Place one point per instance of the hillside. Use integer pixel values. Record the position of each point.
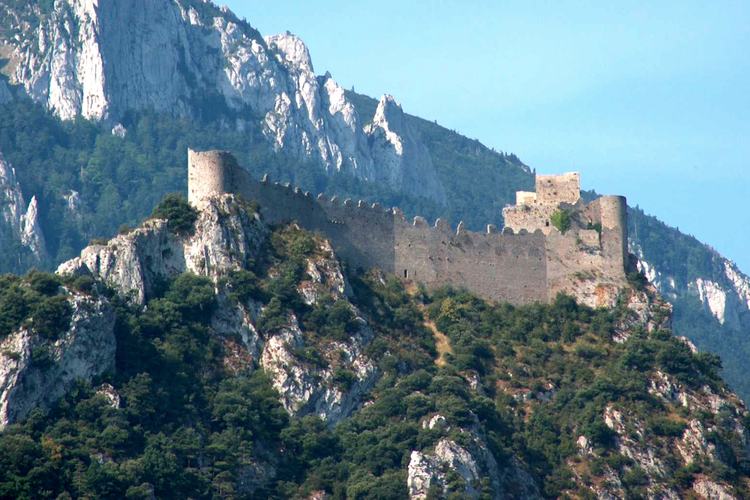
(260, 368)
(91, 136)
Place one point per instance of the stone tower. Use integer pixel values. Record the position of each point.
(209, 173)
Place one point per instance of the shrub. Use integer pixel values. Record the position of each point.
(180, 216)
(335, 322)
(663, 426)
(274, 316)
(599, 434)
(637, 280)
(245, 285)
(635, 477)
(561, 220)
(344, 379)
(194, 295)
(44, 283)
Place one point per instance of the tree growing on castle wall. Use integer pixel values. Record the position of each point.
(561, 219)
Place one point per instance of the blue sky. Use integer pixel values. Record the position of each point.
(646, 99)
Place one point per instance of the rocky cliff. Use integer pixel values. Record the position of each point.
(74, 58)
(102, 59)
(20, 230)
(226, 238)
(36, 371)
(709, 292)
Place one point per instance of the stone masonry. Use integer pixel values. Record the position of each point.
(529, 261)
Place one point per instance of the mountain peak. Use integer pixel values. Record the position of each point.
(292, 49)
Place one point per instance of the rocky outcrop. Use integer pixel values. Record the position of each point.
(35, 372)
(102, 59)
(711, 490)
(644, 309)
(711, 296)
(313, 388)
(472, 461)
(652, 454)
(224, 239)
(401, 159)
(725, 296)
(20, 222)
(227, 236)
(309, 388)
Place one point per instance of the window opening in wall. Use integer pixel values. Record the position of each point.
(406, 273)
(546, 223)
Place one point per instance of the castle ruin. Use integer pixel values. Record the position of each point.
(552, 241)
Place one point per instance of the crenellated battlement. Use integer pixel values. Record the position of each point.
(521, 263)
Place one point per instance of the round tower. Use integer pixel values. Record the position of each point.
(209, 173)
(614, 218)
(613, 211)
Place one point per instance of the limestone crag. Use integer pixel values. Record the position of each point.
(473, 463)
(724, 293)
(310, 390)
(102, 59)
(725, 296)
(649, 452)
(645, 309)
(84, 351)
(19, 226)
(403, 160)
(225, 237)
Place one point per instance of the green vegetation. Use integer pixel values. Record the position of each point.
(35, 302)
(191, 427)
(562, 345)
(177, 211)
(561, 220)
(119, 178)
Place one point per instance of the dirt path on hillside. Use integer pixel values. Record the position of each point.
(442, 342)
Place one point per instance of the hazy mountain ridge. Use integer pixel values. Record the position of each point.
(69, 57)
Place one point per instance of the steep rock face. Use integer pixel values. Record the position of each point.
(474, 463)
(309, 389)
(306, 387)
(101, 59)
(330, 126)
(724, 293)
(85, 350)
(20, 223)
(645, 309)
(401, 158)
(225, 237)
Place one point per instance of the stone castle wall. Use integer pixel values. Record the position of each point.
(519, 267)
